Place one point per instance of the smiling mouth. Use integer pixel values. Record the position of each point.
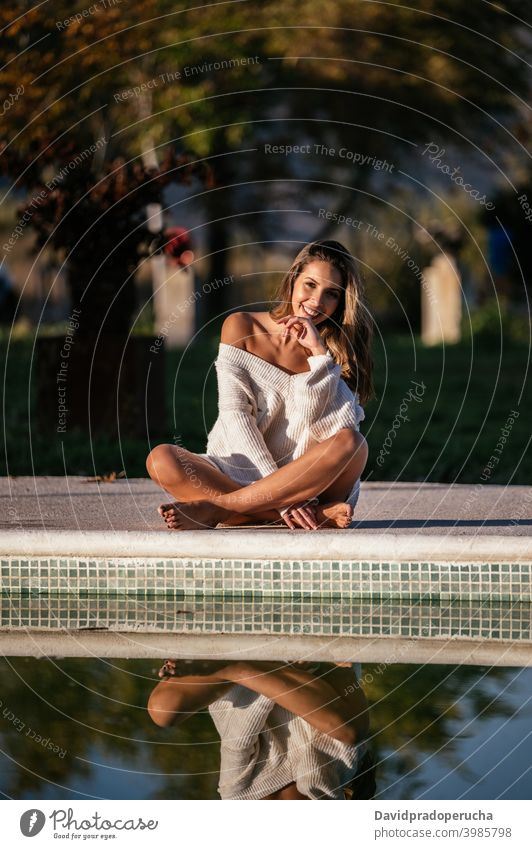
(310, 313)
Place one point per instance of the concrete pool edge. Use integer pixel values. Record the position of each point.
(391, 650)
(263, 544)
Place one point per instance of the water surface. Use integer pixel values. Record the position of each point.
(79, 728)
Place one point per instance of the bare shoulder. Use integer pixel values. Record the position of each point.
(236, 329)
(240, 328)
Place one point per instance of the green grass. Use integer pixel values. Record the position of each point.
(470, 391)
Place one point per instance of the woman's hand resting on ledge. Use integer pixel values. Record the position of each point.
(302, 516)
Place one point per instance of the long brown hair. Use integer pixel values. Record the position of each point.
(348, 333)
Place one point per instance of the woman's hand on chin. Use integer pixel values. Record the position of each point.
(305, 331)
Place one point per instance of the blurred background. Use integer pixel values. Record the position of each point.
(161, 165)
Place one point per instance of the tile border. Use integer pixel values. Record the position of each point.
(258, 579)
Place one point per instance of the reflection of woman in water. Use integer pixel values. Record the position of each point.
(290, 384)
(287, 732)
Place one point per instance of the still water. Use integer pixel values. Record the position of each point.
(75, 729)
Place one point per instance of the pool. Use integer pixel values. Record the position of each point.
(435, 602)
(80, 730)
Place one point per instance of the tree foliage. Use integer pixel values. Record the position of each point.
(221, 79)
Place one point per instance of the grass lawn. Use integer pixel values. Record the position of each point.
(465, 395)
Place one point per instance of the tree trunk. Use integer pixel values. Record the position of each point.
(112, 387)
(97, 377)
(219, 208)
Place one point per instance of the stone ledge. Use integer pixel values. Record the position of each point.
(384, 508)
(263, 647)
(225, 544)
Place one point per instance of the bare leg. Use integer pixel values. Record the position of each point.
(304, 478)
(189, 477)
(175, 699)
(330, 701)
(342, 486)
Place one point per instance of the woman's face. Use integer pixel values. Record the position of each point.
(317, 291)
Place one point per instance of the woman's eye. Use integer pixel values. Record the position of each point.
(331, 294)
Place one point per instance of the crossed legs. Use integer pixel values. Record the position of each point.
(329, 700)
(205, 496)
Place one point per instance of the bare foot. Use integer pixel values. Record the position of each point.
(192, 515)
(306, 665)
(170, 669)
(336, 514)
(199, 515)
(238, 519)
(180, 668)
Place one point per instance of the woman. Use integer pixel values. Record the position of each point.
(290, 382)
(287, 731)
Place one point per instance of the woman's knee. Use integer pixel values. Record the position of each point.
(159, 459)
(159, 710)
(350, 443)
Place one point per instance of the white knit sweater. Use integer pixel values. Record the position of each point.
(267, 418)
(265, 747)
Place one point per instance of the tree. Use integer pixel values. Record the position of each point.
(222, 79)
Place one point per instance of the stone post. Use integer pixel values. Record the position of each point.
(175, 307)
(441, 301)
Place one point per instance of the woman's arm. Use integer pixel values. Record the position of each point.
(324, 401)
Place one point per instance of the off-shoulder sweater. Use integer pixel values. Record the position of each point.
(267, 417)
